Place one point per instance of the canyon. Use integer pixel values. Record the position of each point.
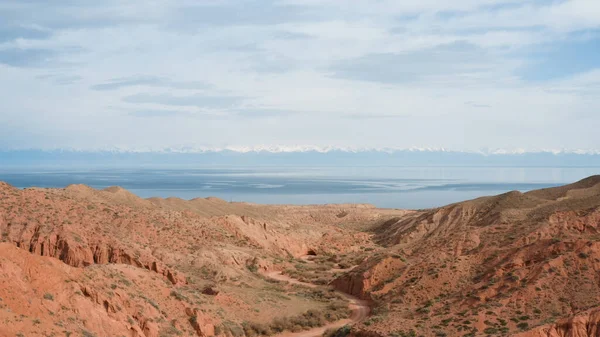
(77, 261)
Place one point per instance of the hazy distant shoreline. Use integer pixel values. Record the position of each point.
(385, 186)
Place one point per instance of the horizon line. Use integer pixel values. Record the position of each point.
(280, 149)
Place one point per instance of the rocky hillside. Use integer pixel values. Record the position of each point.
(106, 263)
(517, 262)
(84, 262)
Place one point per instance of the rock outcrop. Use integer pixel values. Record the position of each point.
(583, 325)
(202, 324)
(362, 282)
(78, 251)
(493, 265)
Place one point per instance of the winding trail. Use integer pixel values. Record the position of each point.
(360, 309)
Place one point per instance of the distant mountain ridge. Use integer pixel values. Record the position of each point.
(295, 157)
(308, 148)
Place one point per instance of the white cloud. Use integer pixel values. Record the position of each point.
(363, 73)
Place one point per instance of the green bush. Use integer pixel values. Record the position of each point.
(256, 329)
(490, 331)
(178, 295)
(341, 332)
(233, 328)
(86, 333)
(334, 311)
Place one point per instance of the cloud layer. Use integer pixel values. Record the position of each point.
(464, 74)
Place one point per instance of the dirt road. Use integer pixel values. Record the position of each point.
(360, 309)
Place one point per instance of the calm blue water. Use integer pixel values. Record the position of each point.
(392, 187)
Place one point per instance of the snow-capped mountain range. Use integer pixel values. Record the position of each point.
(309, 148)
(239, 156)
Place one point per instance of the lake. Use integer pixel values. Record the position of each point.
(390, 187)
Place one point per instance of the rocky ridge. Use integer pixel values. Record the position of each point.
(491, 266)
(107, 263)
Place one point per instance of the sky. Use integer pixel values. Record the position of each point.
(156, 74)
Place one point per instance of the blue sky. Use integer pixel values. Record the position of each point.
(463, 74)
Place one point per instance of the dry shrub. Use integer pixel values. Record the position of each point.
(334, 311)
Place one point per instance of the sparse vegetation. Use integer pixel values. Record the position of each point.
(170, 331)
(313, 318)
(86, 333)
(178, 295)
(490, 331)
(341, 332)
(429, 288)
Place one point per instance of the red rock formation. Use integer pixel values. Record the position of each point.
(362, 281)
(498, 264)
(77, 252)
(583, 325)
(116, 265)
(202, 324)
